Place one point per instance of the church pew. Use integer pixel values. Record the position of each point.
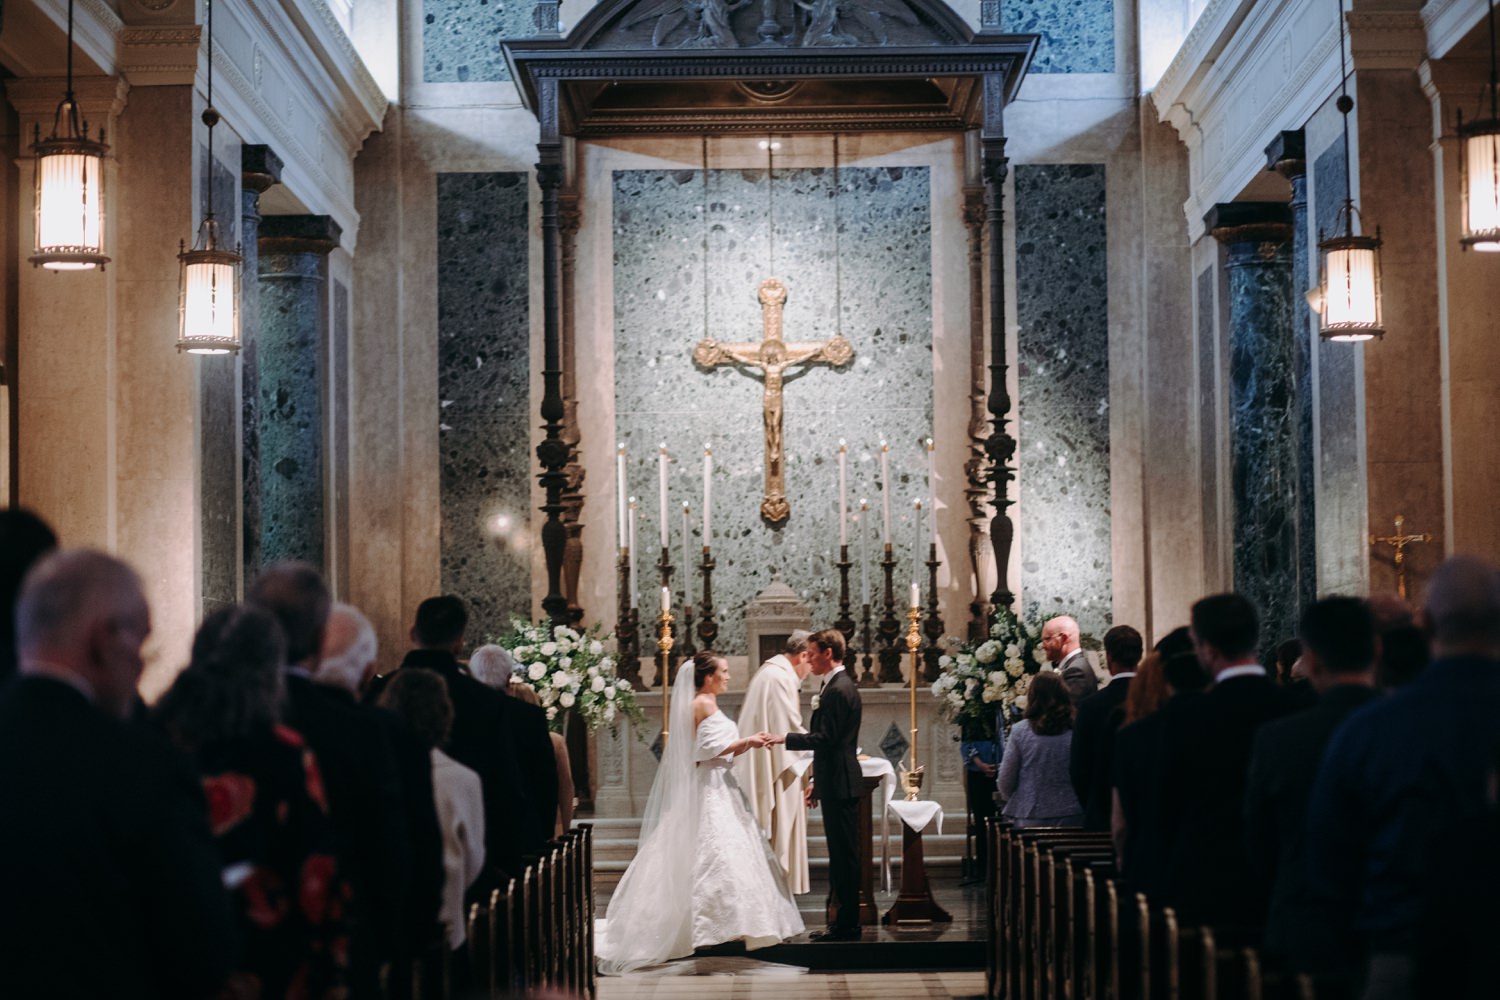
(1035, 909)
(586, 895)
(1078, 930)
(431, 973)
(504, 924)
(478, 930)
(1056, 927)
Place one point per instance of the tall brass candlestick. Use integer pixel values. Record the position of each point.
(664, 647)
(913, 647)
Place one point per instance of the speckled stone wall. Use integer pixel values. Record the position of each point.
(218, 424)
(338, 443)
(291, 406)
(1341, 489)
(486, 415)
(864, 255)
(1263, 433)
(1208, 432)
(1078, 36)
(461, 38)
(250, 385)
(1062, 307)
(1303, 334)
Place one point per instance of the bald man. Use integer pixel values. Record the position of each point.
(1060, 642)
(111, 879)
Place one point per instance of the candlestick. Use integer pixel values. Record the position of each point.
(708, 481)
(933, 626)
(620, 523)
(844, 623)
(664, 658)
(890, 625)
(916, 541)
(687, 590)
(843, 495)
(867, 678)
(666, 598)
(661, 473)
(932, 487)
(864, 552)
(631, 536)
(885, 491)
(708, 628)
(626, 631)
(913, 640)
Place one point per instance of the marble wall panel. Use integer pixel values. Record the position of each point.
(861, 250)
(1304, 333)
(218, 419)
(249, 415)
(338, 437)
(1078, 36)
(461, 38)
(1208, 434)
(1340, 506)
(485, 408)
(1062, 300)
(1263, 434)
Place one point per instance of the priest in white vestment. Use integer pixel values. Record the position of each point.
(770, 778)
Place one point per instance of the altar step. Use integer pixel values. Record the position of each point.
(616, 842)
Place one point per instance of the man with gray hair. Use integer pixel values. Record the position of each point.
(494, 665)
(1407, 773)
(112, 882)
(772, 781)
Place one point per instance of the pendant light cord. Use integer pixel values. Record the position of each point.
(1345, 105)
(70, 54)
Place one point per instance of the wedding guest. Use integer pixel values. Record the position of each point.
(564, 767)
(420, 698)
(111, 881)
(1060, 641)
(532, 741)
(1406, 775)
(24, 539)
(1033, 777)
(1094, 730)
(1404, 654)
(266, 808)
(1338, 650)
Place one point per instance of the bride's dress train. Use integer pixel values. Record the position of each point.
(703, 873)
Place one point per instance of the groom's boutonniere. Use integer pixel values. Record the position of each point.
(816, 699)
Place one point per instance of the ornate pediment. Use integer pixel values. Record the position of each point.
(738, 24)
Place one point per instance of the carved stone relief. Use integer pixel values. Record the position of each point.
(732, 24)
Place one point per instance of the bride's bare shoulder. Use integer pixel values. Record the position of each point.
(704, 705)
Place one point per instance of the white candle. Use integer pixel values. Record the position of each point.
(708, 482)
(620, 525)
(666, 600)
(885, 491)
(864, 551)
(932, 488)
(916, 596)
(661, 474)
(631, 535)
(687, 591)
(843, 494)
(916, 547)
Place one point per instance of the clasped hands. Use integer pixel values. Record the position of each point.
(764, 740)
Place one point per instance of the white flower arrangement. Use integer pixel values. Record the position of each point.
(569, 670)
(978, 680)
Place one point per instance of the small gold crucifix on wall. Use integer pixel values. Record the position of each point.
(772, 356)
(1400, 541)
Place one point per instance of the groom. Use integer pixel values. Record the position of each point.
(837, 781)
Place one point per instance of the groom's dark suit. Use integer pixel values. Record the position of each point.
(832, 736)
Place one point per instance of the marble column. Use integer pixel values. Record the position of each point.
(291, 376)
(1263, 410)
(1287, 156)
(260, 168)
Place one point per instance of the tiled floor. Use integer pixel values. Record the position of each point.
(785, 983)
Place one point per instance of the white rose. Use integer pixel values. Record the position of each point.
(1015, 667)
(623, 685)
(606, 664)
(987, 651)
(597, 684)
(996, 677)
(990, 694)
(549, 696)
(565, 662)
(596, 648)
(1012, 651)
(955, 699)
(566, 700)
(1039, 654)
(549, 648)
(536, 671)
(551, 713)
(937, 688)
(945, 661)
(609, 713)
(593, 671)
(609, 693)
(521, 653)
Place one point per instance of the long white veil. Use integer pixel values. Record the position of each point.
(650, 915)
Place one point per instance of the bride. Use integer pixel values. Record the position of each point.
(703, 873)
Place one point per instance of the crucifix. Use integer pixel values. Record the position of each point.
(772, 356)
(1401, 541)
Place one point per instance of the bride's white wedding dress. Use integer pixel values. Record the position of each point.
(703, 873)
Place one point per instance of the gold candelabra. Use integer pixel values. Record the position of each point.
(664, 657)
(913, 777)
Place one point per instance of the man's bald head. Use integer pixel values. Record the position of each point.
(349, 649)
(83, 615)
(296, 596)
(1059, 638)
(1463, 607)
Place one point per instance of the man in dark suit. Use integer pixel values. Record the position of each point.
(501, 739)
(359, 772)
(833, 737)
(345, 666)
(1205, 761)
(1060, 638)
(110, 883)
(1338, 651)
(1094, 728)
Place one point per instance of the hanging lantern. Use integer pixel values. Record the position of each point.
(208, 290)
(1349, 309)
(208, 295)
(1479, 172)
(69, 202)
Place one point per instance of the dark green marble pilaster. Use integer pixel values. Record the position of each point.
(260, 169)
(292, 374)
(218, 421)
(1262, 409)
